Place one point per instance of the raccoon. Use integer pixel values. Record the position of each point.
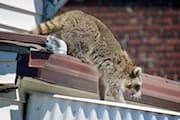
(90, 40)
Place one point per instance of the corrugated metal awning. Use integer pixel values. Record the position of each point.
(58, 107)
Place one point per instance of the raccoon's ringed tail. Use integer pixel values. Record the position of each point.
(56, 45)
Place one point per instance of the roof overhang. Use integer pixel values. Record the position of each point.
(67, 71)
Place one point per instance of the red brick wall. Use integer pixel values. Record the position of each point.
(151, 35)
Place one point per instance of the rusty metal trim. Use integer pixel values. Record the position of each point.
(22, 37)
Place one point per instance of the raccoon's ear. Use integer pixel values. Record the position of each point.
(136, 72)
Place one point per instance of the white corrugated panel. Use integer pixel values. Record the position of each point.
(10, 110)
(8, 66)
(58, 107)
(11, 106)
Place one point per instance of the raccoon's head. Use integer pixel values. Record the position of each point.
(134, 83)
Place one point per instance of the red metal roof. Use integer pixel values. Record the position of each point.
(71, 72)
(161, 92)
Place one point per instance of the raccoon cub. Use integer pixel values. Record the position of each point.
(91, 41)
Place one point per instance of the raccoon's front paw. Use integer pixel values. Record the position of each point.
(122, 101)
(120, 97)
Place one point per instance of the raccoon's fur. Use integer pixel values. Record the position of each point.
(91, 41)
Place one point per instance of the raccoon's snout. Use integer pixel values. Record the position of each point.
(134, 90)
(137, 87)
